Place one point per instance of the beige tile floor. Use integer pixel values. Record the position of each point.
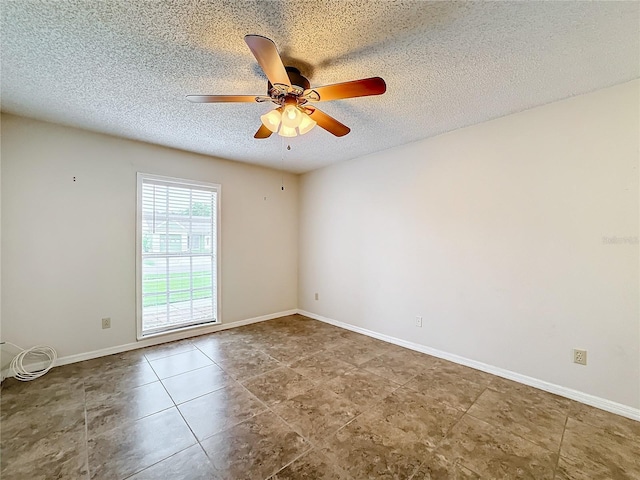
(294, 398)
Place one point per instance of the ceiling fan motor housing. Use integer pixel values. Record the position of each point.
(296, 78)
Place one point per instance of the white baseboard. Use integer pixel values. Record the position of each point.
(586, 398)
(79, 357)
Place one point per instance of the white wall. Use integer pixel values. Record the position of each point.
(494, 234)
(68, 249)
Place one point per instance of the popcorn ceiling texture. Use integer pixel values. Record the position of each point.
(124, 67)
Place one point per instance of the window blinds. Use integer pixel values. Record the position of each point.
(178, 254)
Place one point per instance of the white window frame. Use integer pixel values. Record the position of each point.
(187, 183)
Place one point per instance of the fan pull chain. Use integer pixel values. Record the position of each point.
(282, 163)
(282, 170)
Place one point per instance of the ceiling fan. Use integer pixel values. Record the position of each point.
(292, 92)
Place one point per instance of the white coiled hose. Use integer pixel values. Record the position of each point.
(39, 355)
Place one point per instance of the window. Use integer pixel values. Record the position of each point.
(177, 254)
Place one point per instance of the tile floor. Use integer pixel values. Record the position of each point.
(294, 398)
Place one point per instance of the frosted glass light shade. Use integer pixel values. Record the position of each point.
(271, 120)
(287, 131)
(288, 121)
(291, 116)
(306, 124)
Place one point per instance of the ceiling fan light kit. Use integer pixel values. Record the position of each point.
(292, 92)
(288, 121)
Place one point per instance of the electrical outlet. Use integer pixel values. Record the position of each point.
(316, 296)
(106, 323)
(580, 356)
(418, 321)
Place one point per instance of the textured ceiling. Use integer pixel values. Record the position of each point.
(124, 67)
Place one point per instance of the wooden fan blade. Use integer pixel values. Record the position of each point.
(327, 122)
(263, 132)
(356, 88)
(221, 98)
(269, 59)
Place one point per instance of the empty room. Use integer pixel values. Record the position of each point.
(339, 240)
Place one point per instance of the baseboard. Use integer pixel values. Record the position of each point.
(79, 357)
(586, 398)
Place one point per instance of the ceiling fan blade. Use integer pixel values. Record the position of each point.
(327, 122)
(221, 98)
(269, 59)
(356, 88)
(263, 132)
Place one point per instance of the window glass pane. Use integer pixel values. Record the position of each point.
(178, 249)
(154, 276)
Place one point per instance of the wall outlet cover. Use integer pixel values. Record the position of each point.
(580, 356)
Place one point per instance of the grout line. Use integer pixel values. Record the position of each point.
(502, 428)
(183, 373)
(413, 474)
(179, 413)
(369, 406)
(555, 470)
(122, 393)
(208, 356)
(266, 407)
(312, 444)
(199, 396)
(129, 420)
(453, 425)
(475, 400)
(280, 364)
(248, 379)
(86, 429)
(172, 354)
(292, 461)
(175, 405)
(215, 469)
(160, 461)
(230, 427)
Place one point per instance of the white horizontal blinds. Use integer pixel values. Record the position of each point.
(179, 281)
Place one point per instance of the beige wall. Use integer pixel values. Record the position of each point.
(68, 249)
(494, 234)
